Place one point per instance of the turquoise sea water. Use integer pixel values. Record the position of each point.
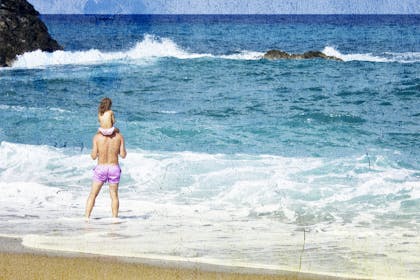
(224, 147)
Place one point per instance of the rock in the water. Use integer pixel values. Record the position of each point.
(21, 31)
(277, 54)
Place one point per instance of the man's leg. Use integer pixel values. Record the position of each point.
(96, 187)
(115, 203)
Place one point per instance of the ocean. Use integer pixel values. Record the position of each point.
(305, 165)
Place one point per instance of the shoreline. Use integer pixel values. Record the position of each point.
(20, 262)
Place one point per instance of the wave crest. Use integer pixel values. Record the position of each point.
(155, 47)
(149, 47)
(407, 57)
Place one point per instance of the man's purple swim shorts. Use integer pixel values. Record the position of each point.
(107, 173)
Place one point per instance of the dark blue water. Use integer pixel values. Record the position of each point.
(222, 34)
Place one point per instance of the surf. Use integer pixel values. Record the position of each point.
(154, 47)
(182, 201)
(150, 47)
(386, 57)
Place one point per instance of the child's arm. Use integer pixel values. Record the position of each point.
(112, 118)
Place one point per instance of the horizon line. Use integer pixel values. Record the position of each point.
(259, 14)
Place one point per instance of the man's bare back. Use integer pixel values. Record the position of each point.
(107, 148)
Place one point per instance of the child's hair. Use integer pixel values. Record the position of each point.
(105, 105)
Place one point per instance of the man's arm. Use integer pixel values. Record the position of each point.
(94, 153)
(123, 152)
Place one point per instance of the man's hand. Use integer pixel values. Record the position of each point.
(94, 153)
(123, 152)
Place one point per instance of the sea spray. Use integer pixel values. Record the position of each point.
(150, 47)
(412, 57)
(155, 47)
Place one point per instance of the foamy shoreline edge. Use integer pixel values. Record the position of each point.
(12, 250)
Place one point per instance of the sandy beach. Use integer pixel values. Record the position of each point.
(18, 262)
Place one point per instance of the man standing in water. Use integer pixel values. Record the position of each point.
(106, 148)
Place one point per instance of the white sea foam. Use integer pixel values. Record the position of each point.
(18, 108)
(152, 47)
(407, 57)
(168, 112)
(244, 55)
(84, 245)
(194, 206)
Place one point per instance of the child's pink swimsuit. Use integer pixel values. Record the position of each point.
(106, 131)
(107, 173)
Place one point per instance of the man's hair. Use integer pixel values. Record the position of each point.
(105, 105)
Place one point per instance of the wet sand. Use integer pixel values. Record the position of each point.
(19, 262)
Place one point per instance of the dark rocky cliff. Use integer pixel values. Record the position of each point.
(21, 31)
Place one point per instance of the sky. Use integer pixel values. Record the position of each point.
(227, 6)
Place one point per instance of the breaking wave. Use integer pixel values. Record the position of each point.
(407, 57)
(152, 47)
